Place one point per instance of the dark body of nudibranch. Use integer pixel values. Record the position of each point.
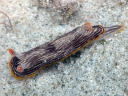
(26, 63)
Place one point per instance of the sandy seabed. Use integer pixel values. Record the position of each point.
(100, 70)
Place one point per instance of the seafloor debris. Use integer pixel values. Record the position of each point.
(65, 8)
(5, 20)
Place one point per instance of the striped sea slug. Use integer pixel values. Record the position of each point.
(25, 64)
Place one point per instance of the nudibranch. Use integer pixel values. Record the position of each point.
(27, 63)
